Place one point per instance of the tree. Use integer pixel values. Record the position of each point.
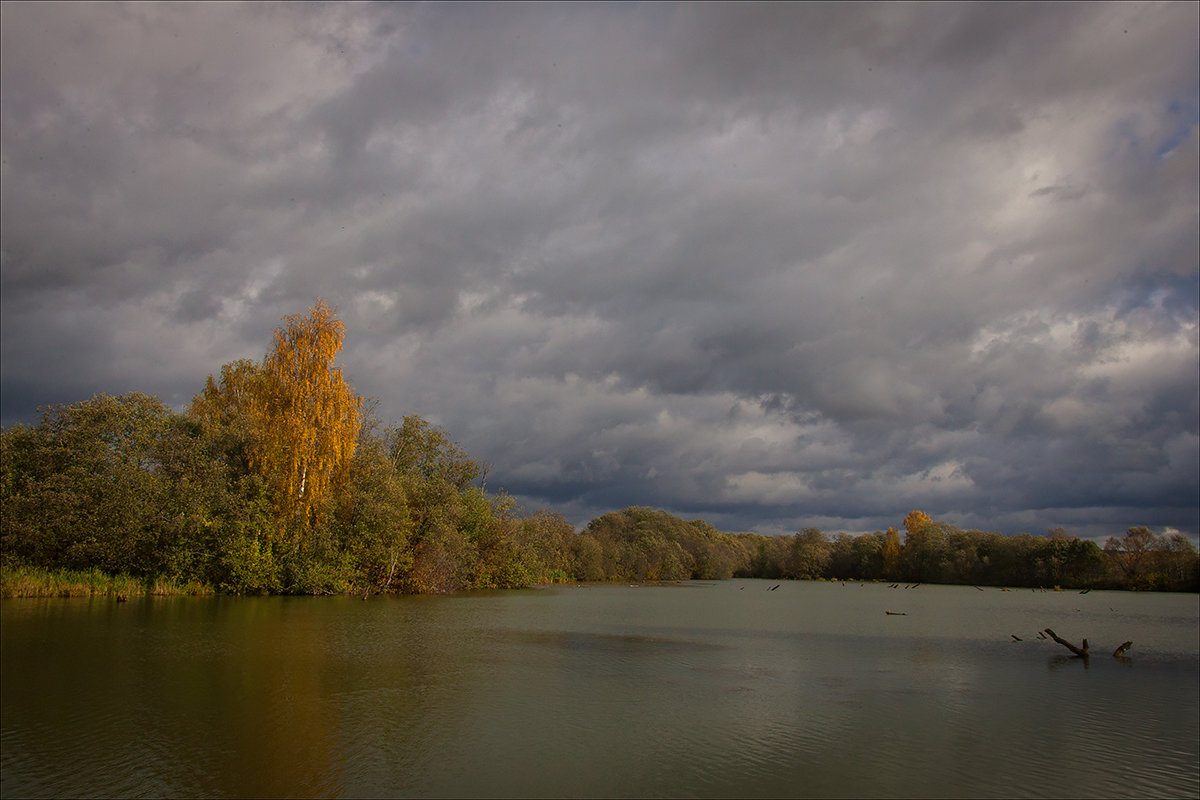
(810, 555)
(924, 555)
(891, 554)
(119, 483)
(868, 555)
(311, 414)
(370, 515)
(843, 563)
(229, 410)
(294, 420)
(1149, 561)
(1182, 564)
(916, 521)
(437, 471)
(427, 452)
(1132, 552)
(552, 537)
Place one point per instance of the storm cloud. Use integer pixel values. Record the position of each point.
(775, 266)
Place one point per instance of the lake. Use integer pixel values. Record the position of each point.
(726, 689)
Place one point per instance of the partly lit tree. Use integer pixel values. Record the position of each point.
(1132, 551)
(916, 521)
(310, 414)
(294, 419)
(891, 554)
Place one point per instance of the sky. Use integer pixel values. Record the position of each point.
(772, 266)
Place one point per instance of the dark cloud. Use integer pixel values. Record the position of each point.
(776, 265)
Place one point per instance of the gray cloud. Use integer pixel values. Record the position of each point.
(774, 265)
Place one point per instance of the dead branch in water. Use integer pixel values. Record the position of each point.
(1081, 652)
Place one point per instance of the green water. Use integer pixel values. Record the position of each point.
(699, 690)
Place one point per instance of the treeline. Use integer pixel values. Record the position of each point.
(642, 544)
(125, 485)
(279, 479)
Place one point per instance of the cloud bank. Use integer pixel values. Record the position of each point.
(775, 266)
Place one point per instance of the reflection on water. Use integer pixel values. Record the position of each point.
(699, 690)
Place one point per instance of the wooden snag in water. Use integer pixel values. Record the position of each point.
(1081, 652)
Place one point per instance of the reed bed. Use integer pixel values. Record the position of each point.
(21, 581)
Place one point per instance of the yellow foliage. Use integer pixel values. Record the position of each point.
(916, 521)
(311, 414)
(297, 413)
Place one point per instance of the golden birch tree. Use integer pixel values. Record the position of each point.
(294, 417)
(310, 415)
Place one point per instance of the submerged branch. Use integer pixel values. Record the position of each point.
(1081, 652)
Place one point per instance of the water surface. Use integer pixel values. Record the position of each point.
(698, 690)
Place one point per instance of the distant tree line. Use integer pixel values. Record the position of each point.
(644, 544)
(279, 479)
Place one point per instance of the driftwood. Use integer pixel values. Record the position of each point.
(1082, 652)
(1018, 638)
(896, 613)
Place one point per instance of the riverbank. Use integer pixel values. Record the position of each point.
(37, 582)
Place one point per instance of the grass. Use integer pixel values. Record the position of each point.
(20, 581)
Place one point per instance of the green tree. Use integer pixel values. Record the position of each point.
(891, 551)
(868, 555)
(588, 558)
(1132, 554)
(552, 538)
(842, 563)
(449, 516)
(810, 555)
(1182, 564)
(119, 483)
(371, 518)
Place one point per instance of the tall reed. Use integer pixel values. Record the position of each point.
(23, 581)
